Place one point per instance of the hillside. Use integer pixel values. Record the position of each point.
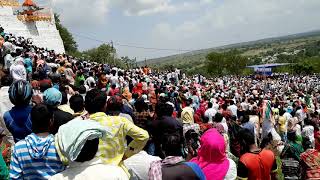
(192, 61)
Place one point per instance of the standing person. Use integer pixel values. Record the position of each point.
(212, 157)
(173, 165)
(35, 157)
(5, 103)
(233, 108)
(114, 150)
(290, 157)
(28, 64)
(53, 98)
(18, 119)
(311, 163)
(210, 113)
(78, 141)
(164, 126)
(255, 163)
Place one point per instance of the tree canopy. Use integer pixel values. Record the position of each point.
(225, 63)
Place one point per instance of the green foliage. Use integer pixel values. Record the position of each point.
(225, 63)
(102, 54)
(69, 43)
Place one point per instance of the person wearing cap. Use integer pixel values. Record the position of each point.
(53, 98)
(17, 69)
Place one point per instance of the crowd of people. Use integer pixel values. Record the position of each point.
(63, 118)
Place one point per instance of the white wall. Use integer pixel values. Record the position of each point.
(43, 33)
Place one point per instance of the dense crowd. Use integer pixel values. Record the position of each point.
(63, 118)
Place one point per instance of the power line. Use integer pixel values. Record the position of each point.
(132, 46)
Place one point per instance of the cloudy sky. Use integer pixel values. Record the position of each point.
(183, 24)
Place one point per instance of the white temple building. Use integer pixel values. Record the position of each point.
(44, 33)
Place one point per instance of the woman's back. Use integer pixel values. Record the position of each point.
(257, 165)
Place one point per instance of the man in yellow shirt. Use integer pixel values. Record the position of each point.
(114, 148)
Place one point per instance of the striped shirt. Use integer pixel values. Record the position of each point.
(35, 158)
(112, 148)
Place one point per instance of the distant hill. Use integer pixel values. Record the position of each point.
(195, 59)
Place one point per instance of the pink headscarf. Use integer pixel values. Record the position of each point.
(212, 156)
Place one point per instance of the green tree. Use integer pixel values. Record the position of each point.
(102, 54)
(69, 43)
(225, 63)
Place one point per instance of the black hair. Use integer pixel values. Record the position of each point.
(210, 105)
(188, 102)
(89, 101)
(218, 118)
(82, 89)
(88, 151)
(246, 138)
(245, 119)
(76, 103)
(265, 141)
(292, 136)
(100, 102)
(6, 80)
(64, 98)
(164, 109)
(172, 145)
(41, 118)
(140, 105)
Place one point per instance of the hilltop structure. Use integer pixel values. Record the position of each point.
(31, 21)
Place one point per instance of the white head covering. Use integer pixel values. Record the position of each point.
(18, 72)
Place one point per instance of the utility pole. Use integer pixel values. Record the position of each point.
(112, 49)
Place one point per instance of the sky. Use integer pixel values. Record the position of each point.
(181, 25)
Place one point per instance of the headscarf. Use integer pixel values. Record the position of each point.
(187, 116)
(292, 122)
(126, 94)
(73, 135)
(52, 97)
(212, 157)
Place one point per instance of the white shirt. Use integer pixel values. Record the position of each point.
(90, 80)
(5, 105)
(233, 109)
(8, 61)
(18, 72)
(139, 164)
(210, 113)
(232, 171)
(91, 170)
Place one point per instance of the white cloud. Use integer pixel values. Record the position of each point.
(233, 21)
(150, 7)
(75, 13)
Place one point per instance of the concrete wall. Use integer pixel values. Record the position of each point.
(43, 33)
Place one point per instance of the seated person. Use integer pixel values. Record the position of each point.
(78, 142)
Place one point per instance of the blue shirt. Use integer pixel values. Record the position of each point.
(28, 64)
(35, 158)
(18, 122)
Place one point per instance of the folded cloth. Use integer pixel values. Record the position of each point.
(72, 136)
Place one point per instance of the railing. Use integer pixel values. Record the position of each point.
(41, 15)
(38, 17)
(12, 3)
